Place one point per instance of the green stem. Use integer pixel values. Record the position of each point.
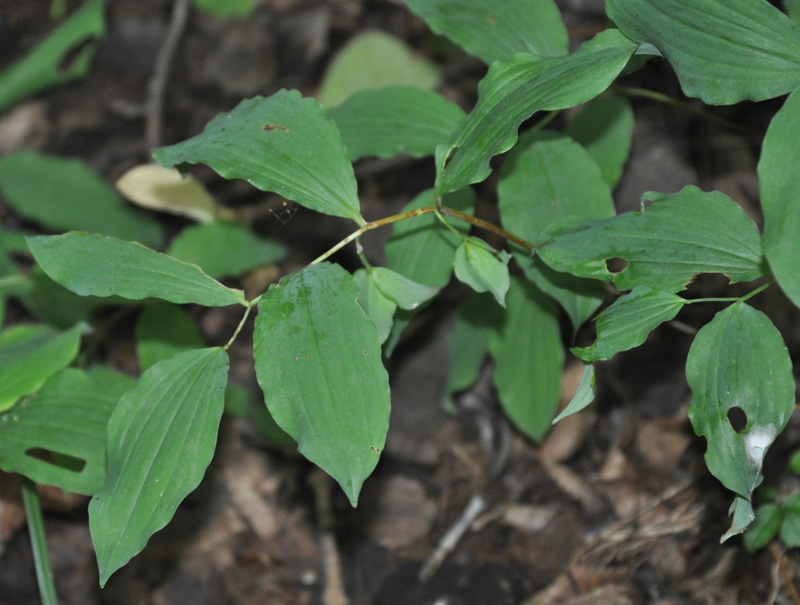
(747, 296)
(250, 305)
(33, 511)
(488, 227)
(667, 100)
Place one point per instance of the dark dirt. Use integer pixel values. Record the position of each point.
(614, 507)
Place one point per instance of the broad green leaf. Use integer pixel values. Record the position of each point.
(58, 437)
(374, 59)
(605, 128)
(93, 265)
(227, 8)
(626, 323)
(584, 395)
(468, 342)
(723, 51)
(161, 438)
(394, 120)
(498, 30)
(482, 268)
(792, 8)
(65, 194)
(378, 307)
(764, 528)
(790, 528)
(284, 143)
(678, 236)
(29, 355)
(318, 362)
(529, 356)
(224, 250)
(63, 56)
(546, 177)
(166, 190)
(780, 198)
(162, 331)
(421, 248)
(514, 90)
(406, 293)
(738, 360)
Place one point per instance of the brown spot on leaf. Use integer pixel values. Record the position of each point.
(274, 127)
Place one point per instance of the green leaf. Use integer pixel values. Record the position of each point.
(65, 194)
(792, 8)
(626, 323)
(545, 178)
(780, 197)
(226, 8)
(52, 62)
(584, 395)
(605, 128)
(394, 120)
(678, 236)
(284, 143)
(163, 331)
(764, 528)
(529, 356)
(406, 293)
(224, 250)
(468, 343)
(93, 265)
(790, 528)
(723, 51)
(482, 268)
(421, 248)
(378, 307)
(794, 462)
(161, 438)
(58, 437)
(371, 60)
(512, 91)
(498, 30)
(29, 355)
(318, 361)
(738, 360)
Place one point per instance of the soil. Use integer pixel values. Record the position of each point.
(615, 506)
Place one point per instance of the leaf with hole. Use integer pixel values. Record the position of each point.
(394, 120)
(284, 143)
(738, 361)
(318, 362)
(57, 437)
(93, 265)
(64, 56)
(161, 438)
(678, 236)
(627, 322)
(513, 91)
(498, 30)
(723, 51)
(29, 355)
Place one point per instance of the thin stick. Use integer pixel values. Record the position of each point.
(158, 83)
(33, 511)
(334, 593)
(787, 579)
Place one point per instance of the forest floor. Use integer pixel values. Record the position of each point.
(615, 506)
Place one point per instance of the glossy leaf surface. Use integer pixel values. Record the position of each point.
(676, 237)
(318, 361)
(161, 438)
(738, 360)
(394, 120)
(780, 196)
(723, 51)
(498, 30)
(284, 143)
(514, 90)
(93, 265)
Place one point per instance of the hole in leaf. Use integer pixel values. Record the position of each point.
(616, 265)
(74, 52)
(737, 418)
(64, 461)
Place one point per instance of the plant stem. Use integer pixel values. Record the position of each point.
(747, 296)
(33, 511)
(241, 323)
(488, 227)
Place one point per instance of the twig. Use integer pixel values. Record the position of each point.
(33, 511)
(787, 579)
(158, 83)
(334, 593)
